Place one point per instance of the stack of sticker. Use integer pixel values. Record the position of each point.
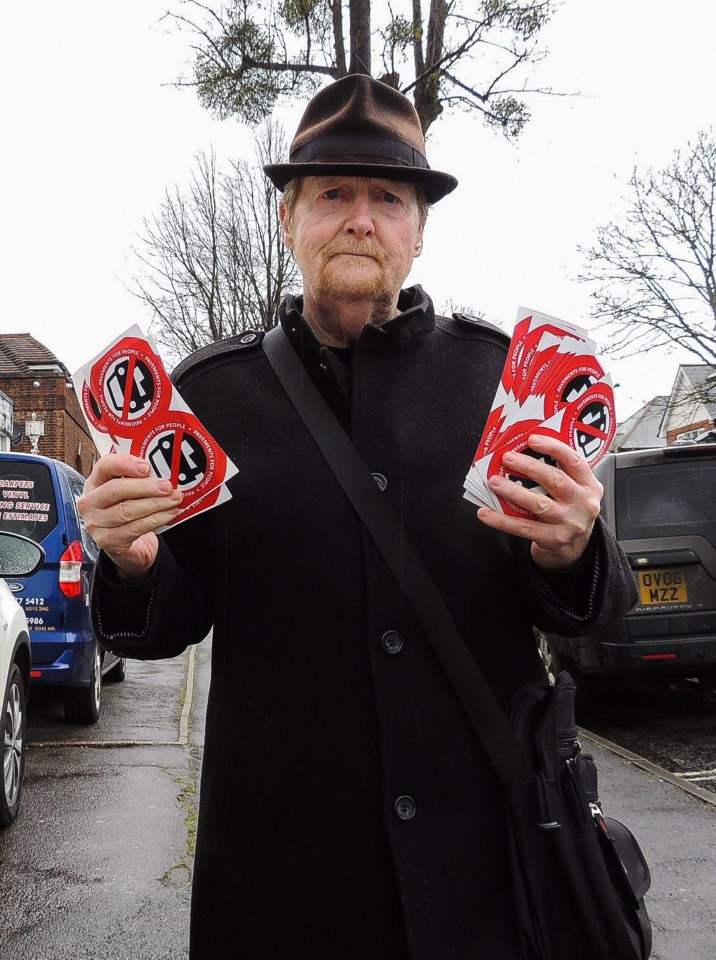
(131, 406)
(552, 384)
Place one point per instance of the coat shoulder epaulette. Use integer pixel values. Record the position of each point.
(467, 325)
(243, 343)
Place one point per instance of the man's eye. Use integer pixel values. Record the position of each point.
(332, 194)
(391, 198)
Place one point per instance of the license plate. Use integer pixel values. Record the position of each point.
(657, 587)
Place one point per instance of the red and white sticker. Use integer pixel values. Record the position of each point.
(551, 384)
(131, 386)
(132, 406)
(589, 423)
(571, 381)
(91, 410)
(181, 451)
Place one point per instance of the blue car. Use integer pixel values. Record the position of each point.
(38, 499)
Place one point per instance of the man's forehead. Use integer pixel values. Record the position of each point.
(324, 182)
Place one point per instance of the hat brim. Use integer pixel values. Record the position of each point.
(435, 184)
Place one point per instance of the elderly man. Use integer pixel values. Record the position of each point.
(347, 809)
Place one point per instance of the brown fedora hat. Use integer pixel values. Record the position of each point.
(361, 127)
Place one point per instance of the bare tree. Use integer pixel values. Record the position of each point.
(653, 272)
(458, 53)
(212, 261)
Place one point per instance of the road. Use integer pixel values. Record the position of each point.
(98, 864)
(674, 728)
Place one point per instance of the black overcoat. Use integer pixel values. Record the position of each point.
(347, 810)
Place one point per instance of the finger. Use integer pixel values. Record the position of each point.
(560, 483)
(116, 540)
(121, 538)
(116, 465)
(551, 480)
(553, 545)
(128, 512)
(114, 491)
(535, 501)
(525, 527)
(571, 461)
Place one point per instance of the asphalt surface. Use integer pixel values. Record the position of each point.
(674, 727)
(98, 865)
(676, 830)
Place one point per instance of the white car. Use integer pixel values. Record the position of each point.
(19, 557)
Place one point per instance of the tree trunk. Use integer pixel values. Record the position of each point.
(339, 45)
(418, 55)
(427, 88)
(360, 36)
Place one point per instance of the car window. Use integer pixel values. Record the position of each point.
(667, 500)
(27, 499)
(77, 486)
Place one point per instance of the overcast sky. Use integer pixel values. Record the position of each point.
(93, 133)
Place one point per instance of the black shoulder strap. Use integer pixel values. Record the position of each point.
(473, 691)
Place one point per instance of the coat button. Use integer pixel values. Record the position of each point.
(381, 480)
(405, 808)
(391, 641)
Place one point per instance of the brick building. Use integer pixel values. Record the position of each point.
(37, 382)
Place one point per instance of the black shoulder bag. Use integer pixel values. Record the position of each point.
(578, 877)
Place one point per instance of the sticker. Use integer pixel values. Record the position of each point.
(496, 467)
(130, 386)
(91, 409)
(571, 383)
(589, 424)
(551, 384)
(180, 450)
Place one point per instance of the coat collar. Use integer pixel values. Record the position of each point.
(415, 320)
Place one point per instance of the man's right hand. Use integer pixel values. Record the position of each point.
(121, 506)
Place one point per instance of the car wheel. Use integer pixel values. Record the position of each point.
(588, 685)
(83, 704)
(554, 662)
(13, 728)
(118, 672)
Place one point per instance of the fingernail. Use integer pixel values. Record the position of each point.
(143, 467)
(536, 439)
(177, 496)
(510, 456)
(164, 486)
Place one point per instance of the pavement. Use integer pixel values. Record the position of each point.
(97, 867)
(675, 824)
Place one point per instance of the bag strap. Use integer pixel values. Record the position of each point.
(482, 707)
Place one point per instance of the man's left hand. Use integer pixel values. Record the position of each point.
(563, 515)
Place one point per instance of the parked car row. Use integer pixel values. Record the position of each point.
(661, 506)
(46, 558)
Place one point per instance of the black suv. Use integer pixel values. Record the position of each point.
(661, 506)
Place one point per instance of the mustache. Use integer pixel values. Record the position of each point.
(360, 248)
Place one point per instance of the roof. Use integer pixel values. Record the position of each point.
(641, 429)
(702, 377)
(21, 356)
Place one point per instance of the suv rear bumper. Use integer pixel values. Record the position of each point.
(72, 668)
(677, 656)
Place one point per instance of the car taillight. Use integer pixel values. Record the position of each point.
(71, 570)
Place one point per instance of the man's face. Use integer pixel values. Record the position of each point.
(354, 238)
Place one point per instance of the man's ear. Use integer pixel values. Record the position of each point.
(418, 245)
(285, 226)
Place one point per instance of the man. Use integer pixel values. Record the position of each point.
(347, 809)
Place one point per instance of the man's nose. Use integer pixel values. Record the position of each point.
(359, 221)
